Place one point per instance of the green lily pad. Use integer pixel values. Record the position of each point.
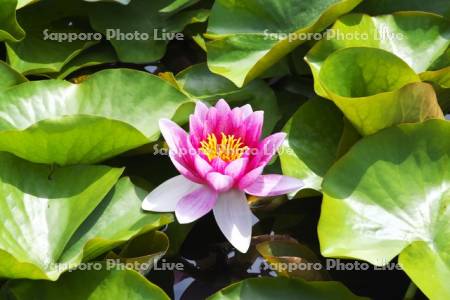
(22, 3)
(97, 55)
(283, 251)
(41, 210)
(408, 35)
(440, 77)
(116, 220)
(177, 5)
(390, 195)
(284, 288)
(87, 285)
(10, 30)
(312, 141)
(199, 82)
(144, 17)
(40, 51)
(54, 121)
(380, 7)
(143, 251)
(123, 2)
(9, 77)
(54, 220)
(242, 47)
(375, 89)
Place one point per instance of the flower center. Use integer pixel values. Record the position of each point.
(228, 149)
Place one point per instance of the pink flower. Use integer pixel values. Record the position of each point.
(220, 160)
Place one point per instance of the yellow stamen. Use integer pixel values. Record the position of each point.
(228, 149)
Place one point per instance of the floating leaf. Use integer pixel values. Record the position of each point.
(116, 220)
(154, 29)
(10, 30)
(242, 47)
(87, 285)
(380, 7)
(54, 220)
(47, 24)
(408, 35)
(9, 77)
(390, 195)
(144, 251)
(41, 210)
(94, 56)
(287, 257)
(375, 89)
(177, 5)
(123, 2)
(311, 145)
(54, 121)
(440, 77)
(284, 288)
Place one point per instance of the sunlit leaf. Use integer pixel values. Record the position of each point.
(390, 195)
(375, 89)
(408, 35)
(54, 121)
(242, 47)
(284, 288)
(88, 285)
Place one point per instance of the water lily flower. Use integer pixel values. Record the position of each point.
(220, 161)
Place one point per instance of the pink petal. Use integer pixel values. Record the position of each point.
(219, 164)
(166, 196)
(185, 171)
(201, 110)
(195, 205)
(236, 168)
(210, 124)
(202, 166)
(274, 185)
(250, 177)
(266, 149)
(196, 130)
(223, 107)
(246, 110)
(234, 218)
(253, 128)
(236, 118)
(219, 182)
(174, 135)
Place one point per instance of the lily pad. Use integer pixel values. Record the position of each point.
(9, 77)
(312, 141)
(46, 48)
(87, 285)
(390, 195)
(177, 5)
(375, 89)
(10, 30)
(123, 2)
(408, 35)
(440, 77)
(42, 209)
(284, 288)
(116, 220)
(283, 253)
(54, 220)
(380, 7)
(199, 82)
(143, 251)
(94, 56)
(249, 36)
(154, 28)
(54, 121)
